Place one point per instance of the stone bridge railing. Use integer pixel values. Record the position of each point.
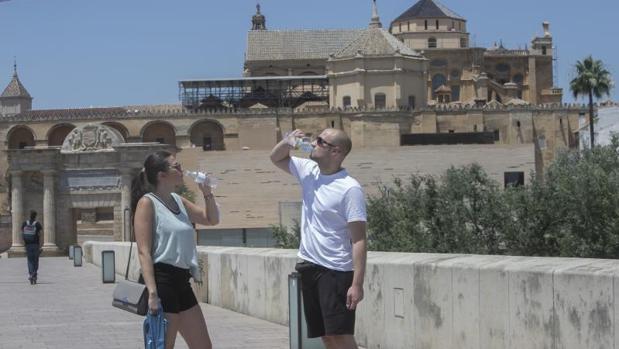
(432, 300)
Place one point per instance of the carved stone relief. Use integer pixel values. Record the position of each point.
(91, 137)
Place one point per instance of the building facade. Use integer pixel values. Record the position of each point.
(456, 72)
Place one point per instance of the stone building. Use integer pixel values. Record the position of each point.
(378, 85)
(466, 74)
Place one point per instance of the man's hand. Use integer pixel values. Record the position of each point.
(291, 138)
(280, 155)
(354, 296)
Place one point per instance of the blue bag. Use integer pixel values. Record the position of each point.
(155, 327)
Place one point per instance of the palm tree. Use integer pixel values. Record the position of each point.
(591, 79)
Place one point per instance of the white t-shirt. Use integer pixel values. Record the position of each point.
(330, 202)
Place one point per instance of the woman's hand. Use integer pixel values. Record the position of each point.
(205, 188)
(153, 303)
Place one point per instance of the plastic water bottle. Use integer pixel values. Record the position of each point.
(304, 144)
(201, 177)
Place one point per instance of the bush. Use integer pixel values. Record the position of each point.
(461, 213)
(573, 211)
(286, 239)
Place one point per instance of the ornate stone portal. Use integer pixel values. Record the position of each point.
(91, 171)
(92, 137)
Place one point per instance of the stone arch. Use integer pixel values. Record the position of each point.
(118, 127)
(57, 134)
(207, 134)
(20, 136)
(160, 132)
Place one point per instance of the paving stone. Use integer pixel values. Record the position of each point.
(70, 308)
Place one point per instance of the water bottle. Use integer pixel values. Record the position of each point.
(201, 177)
(304, 144)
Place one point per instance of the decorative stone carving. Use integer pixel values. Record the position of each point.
(91, 138)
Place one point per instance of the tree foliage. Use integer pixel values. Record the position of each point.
(573, 211)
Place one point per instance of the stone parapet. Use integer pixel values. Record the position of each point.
(431, 300)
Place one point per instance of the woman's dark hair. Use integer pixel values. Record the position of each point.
(146, 180)
(33, 215)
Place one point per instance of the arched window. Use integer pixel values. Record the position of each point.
(346, 102)
(58, 133)
(432, 43)
(160, 132)
(207, 134)
(463, 43)
(380, 101)
(20, 137)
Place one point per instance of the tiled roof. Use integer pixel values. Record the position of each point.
(375, 42)
(15, 89)
(72, 113)
(268, 45)
(428, 9)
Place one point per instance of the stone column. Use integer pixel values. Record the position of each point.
(125, 203)
(17, 209)
(49, 210)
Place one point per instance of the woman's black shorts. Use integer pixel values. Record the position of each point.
(173, 288)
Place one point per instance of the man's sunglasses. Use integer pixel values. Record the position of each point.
(322, 143)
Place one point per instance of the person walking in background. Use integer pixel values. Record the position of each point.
(333, 236)
(166, 246)
(31, 234)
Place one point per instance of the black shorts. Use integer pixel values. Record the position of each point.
(173, 288)
(324, 300)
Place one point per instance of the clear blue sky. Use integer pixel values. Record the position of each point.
(81, 53)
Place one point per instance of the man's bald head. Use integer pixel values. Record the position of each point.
(341, 139)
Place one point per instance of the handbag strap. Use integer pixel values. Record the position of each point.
(129, 259)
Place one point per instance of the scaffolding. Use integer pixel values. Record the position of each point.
(240, 93)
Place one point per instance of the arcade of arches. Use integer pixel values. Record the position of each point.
(205, 134)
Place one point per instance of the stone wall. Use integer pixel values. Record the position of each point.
(546, 129)
(432, 300)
